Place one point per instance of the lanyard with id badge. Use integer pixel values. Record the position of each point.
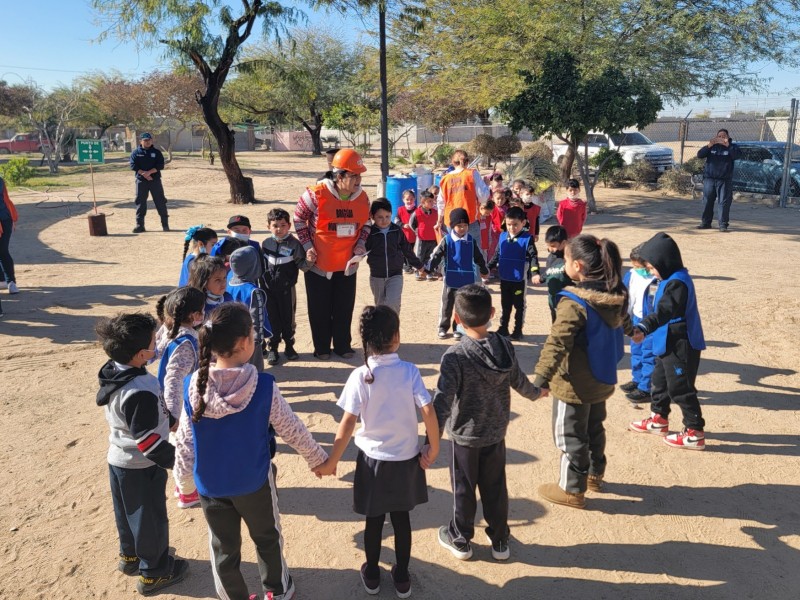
(345, 230)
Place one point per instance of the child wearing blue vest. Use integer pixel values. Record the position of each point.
(517, 262)
(390, 468)
(578, 363)
(209, 275)
(243, 287)
(180, 312)
(677, 337)
(460, 253)
(239, 229)
(641, 290)
(223, 445)
(198, 240)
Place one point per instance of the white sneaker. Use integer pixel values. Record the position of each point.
(12, 288)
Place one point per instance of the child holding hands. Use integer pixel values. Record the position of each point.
(390, 476)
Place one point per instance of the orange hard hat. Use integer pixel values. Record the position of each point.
(348, 159)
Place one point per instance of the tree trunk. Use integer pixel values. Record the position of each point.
(241, 186)
(567, 162)
(583, 169)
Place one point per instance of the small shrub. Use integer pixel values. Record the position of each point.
(537, 150)
(694, 166)
(16, 171)
(641, 172)
(442, 154)
(505, 146)
(418, 156)
(610, 163)
(363, 149)
(676, 181)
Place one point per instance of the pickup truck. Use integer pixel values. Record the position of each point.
(632, 145)
(22, 142)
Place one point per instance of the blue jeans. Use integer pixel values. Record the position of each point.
(140, 510)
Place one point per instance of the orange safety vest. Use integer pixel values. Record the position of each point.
(458, 190)
(339, 224)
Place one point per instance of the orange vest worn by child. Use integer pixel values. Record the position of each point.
(459, 191)
(339, 224)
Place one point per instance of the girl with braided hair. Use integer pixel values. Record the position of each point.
(180, 312)
(223, 444)
(198, 240)
(210, 275)
(390, 476)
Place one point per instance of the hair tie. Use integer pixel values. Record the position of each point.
(207, 324)
(191, 231)
(598, 243)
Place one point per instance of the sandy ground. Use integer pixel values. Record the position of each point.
(717, 524)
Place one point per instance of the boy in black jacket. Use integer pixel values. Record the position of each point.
(555, 277)
(387, 247)
(284, 258)
(473, 403)
(139, 453)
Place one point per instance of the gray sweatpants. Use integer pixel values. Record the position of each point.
(579, 433)
(259, 511)
(387, 290)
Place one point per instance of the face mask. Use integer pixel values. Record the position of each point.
(245, 237)
(642, 272)
(202, 250)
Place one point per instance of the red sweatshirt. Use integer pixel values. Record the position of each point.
(571, 215)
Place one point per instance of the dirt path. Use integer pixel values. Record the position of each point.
(671, 522)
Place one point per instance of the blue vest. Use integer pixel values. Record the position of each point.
(231, 454)
(694, 328)
(184, 276)
(226, 297)
(459, 269)
(171, 347)
(244, 293)
(511, 265)
(605, 345)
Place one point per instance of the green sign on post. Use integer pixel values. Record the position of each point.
(89, 151)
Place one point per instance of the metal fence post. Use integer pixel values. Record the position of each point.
(787, 154)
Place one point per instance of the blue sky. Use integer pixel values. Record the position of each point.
(51, 41)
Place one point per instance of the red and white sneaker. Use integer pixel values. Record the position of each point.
(655, 424)
(188, 500)
(688, 439)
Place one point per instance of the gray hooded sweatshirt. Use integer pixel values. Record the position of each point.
(247, 269)
(473, 397)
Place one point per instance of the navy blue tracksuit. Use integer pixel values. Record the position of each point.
(145, 159)
(718, 181)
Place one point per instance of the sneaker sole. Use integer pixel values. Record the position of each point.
(659, 432)
(682, 447)
(455, 551)
(188, 504)
(176, 579)
(498, 555)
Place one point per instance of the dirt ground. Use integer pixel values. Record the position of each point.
(719, 524)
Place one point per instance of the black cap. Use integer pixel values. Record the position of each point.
(238, 220)
(457, 216)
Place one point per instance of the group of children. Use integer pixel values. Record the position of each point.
(211, 388)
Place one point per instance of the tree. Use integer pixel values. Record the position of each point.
(298, 85)
(13, 99)
(562, 101)
(353, 120)
(50, 114)
(110, 100)
(189, 32)
(168, 99)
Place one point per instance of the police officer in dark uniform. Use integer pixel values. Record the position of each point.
(147, 162)
(720, 154)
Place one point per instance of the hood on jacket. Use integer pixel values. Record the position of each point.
(492, 356)
(663, 253)
(611, 307)
(111, 379)
(246, 266)
(228, 391)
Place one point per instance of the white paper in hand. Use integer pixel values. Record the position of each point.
(352, 264)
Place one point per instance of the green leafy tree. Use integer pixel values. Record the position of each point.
(111, 100)
(562, 101)
(353, 120)
(207, 34)
(51, 114)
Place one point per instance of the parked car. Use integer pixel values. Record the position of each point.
(760, 168)
(22, 142)
(632, 145)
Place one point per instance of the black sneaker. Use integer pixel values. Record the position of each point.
(138, 229)
(723, 228)
(500, 549)
(704, 226)
(347, 354)
(372, 586)
(457, 335)
(637, 395)
(442, 334)
(273, 358)
(147, 586)
(460, 551)
(165, 228)
(290, 353)
(503, 331)
(402, 587)
(128, 564)
(629, 387)
(516, 335)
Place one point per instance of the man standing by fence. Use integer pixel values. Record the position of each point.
(720, 153)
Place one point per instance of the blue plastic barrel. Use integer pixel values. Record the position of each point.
(437, 179)
(395, 186)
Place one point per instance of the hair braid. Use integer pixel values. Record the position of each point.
(160, 309)
(378, 327)
(179, 317)
(185, 249)
(202, 372)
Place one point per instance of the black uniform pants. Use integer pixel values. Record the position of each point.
(717, 191)
(673, 381)
(579, 433)
(281, 308)
(330, 310)
(446, 308)
(484, 469)
(154, 188)
(512, 295)
(259, 511)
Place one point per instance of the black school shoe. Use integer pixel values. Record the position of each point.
(273, 358)
(128, 564)
(147, 586)
(139, 229)
(516, 335)
(629, 387)
(290, 353)
(637, 395)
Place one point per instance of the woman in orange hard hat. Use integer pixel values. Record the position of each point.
(332, 222)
